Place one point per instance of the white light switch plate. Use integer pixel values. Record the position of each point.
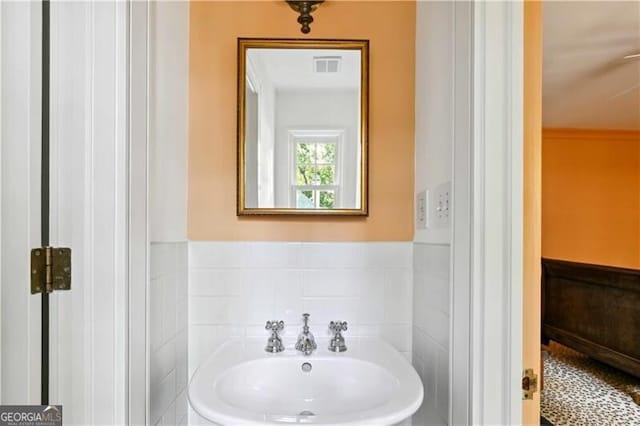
(439, 203)
(421, 210)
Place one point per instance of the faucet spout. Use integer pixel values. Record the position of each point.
(306, 342)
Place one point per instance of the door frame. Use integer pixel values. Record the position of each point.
(494, 266)
(486, 332)
(89, 209)
(138, 356)
(89, 186)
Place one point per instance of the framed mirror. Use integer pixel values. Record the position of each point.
(302, 127)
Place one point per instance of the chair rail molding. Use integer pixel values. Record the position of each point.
(497, 213)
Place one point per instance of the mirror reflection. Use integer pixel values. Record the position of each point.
(302, 134)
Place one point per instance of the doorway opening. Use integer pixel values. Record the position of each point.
(591, 213)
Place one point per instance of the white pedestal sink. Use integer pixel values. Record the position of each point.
(370, 384)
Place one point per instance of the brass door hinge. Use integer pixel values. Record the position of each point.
(50, 269)
(529, 383)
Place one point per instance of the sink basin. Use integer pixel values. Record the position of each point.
(279, 387)
(370, 384)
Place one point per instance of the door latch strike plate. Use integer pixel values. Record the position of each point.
(50, 269)
(529, 383)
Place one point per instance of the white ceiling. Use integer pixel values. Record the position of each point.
(586, 83)
(293, 68)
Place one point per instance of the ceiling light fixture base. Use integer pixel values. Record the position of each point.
(305, 9)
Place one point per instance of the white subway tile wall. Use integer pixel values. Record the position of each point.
(235, 287)
(168, 333)
(431, 330)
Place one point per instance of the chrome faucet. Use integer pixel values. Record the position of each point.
(274, 344)
(337, 342)
(306, 343)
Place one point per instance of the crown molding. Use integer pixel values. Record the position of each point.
(591, 134)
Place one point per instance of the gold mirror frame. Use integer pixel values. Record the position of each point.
(254, 43)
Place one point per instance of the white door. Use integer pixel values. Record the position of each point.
(20, 152)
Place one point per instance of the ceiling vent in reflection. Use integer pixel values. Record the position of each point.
(326, 64)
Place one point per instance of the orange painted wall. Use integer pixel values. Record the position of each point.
(214, 28)
(591, 196)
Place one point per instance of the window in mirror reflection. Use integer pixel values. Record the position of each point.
(316, 183)
(302, 133)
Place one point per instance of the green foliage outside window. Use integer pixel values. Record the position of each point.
(327, 199)
(316, 165)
